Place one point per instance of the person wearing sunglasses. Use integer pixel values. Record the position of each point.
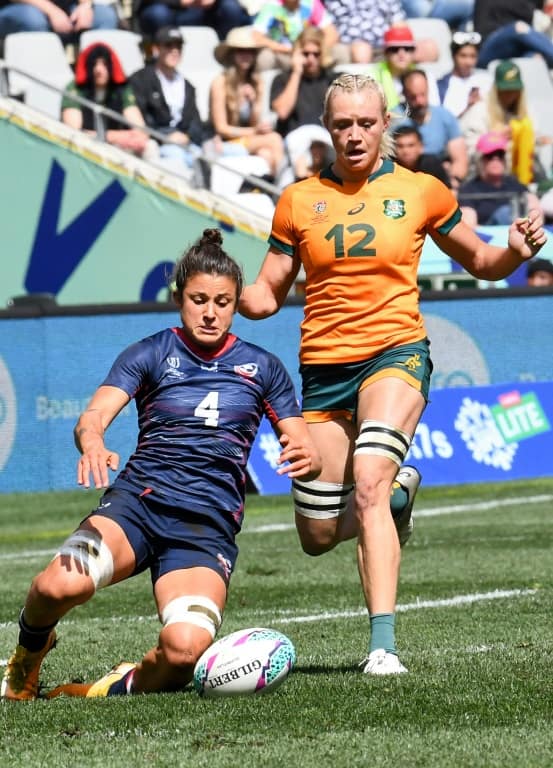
(400, 56)
(465, 84)
(296, 98)
(494, 196)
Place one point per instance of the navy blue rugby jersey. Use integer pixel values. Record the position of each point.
(198, 414)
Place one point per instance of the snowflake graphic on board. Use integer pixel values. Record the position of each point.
(271, 448)
(478, 430)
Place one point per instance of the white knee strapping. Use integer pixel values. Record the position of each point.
(320, 500)
(381, 439)
(90, 552)
(193, 609)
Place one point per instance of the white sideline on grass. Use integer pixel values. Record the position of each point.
(275, 527)
(446, 602)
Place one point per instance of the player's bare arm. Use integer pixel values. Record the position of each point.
(299, 456)
(89, 431)
(266, 295)
(489, 262)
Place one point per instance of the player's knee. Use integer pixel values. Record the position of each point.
(316, 536)
(182, 645)
(319, 506)
(53, 588)
(190, 624)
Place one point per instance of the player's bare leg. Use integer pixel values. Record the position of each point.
(395, 408)
(95, 555)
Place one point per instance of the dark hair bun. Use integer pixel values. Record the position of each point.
(211, 237)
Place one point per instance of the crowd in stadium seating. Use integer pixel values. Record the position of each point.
(265, 79)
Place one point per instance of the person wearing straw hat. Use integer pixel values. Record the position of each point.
(236, 101)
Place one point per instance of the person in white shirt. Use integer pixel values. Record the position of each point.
(465, 84)
(167, 101)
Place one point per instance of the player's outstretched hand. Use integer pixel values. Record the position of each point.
(96, 462)
(527, 235)
(298, 459)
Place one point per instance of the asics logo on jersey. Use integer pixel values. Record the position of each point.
(248, 370)
(357, 209)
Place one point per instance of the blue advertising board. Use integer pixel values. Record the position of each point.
(50, 366)
(466, 435)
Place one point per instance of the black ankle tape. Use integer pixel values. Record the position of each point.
(33, 638)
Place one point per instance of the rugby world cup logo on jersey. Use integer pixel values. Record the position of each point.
(8, 414)
(394, 209)
(320, 211)
(174, 365)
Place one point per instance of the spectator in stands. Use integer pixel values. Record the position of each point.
(296, 98)
(237, 101)
(221, 15)
(505, 111)
(279, 23)
(362, 24)
(440, 131)
(539, 273)
(65, 17)
(400, 53)
(320, 155)
(494, 196)
(464, 85)
(99, 77)
(507, 31)
(409, 152)
(168, 102)
(457, 13)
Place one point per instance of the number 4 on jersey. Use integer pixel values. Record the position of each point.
(208, 409)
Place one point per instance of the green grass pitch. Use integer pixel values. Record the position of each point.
(474, 628)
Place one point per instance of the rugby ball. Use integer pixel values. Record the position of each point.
(254, 660)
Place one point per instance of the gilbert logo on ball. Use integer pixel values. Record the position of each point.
(254, 660)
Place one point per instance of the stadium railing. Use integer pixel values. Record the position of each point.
(205, 159)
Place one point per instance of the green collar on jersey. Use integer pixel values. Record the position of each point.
(386, 167)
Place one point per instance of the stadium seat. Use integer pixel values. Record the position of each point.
(267, 76)
(199, 44)
(355, 68)
(42, 56)
(198, 65)
(126, 44)
(255, 202)
(439, 31)
(227, 174)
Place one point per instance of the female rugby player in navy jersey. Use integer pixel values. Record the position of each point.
(177, 505)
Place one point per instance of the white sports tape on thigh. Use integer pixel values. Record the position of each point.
(89, 551)
(381, 439)
(320, 500)
(193, 609)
